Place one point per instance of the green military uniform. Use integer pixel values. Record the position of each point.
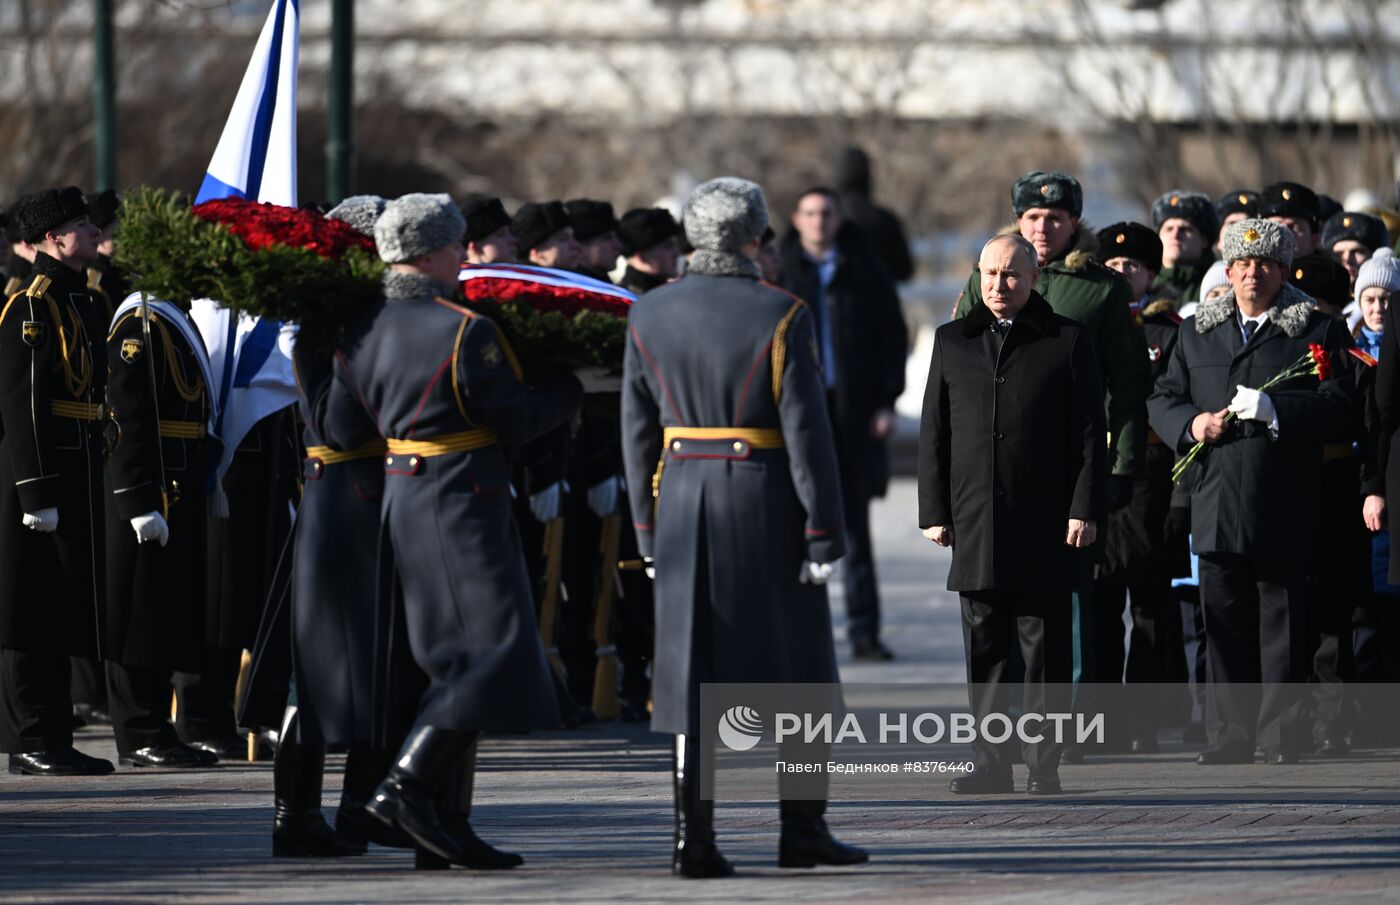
(1081, 289)
(1184, 279)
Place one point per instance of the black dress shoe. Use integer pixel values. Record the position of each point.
(60, 762)
(983, 782)
(177, 755)
(1217, 755)
(807, 843)
(700, 861)
(234, 748)
(870, 649)
(305, 834)
(1281, 756)
(1333, 746)
(1043, 781)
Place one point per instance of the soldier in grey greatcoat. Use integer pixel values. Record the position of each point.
(446, 393)
(734, 490)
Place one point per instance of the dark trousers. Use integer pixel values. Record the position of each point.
(1257, 625)
(204, 700)
(1154, 658)
(1193, 628)
(89, 683)
(140, 699)
(1376, 638)
(1341, 587)
(573, 632)
(995, 623)
(862, 589)
(36, 712)
(636, 620)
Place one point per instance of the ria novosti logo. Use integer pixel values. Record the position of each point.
(740, 728)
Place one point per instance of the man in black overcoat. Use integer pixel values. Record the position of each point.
(1254, 499)
(1012, 467)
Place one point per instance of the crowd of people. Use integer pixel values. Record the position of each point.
(1232, 353)
(460, 526)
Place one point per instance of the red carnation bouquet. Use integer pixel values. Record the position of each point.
(1313, 363)
(263, 226)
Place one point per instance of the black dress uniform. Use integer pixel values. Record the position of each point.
(1139, 562)
(733, 483)
(52, 377)
(160, 463)
(1254, 507)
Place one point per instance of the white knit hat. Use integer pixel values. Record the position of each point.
(1380, 270)
(1214, 277)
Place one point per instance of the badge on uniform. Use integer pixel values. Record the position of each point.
(33, 332)
(1154, 352)
(131, 350)
(491, 355)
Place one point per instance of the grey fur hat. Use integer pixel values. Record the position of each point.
(416, 224)
(359, 212)
(725, 214)
(1257, 239)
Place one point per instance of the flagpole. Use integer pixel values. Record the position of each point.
(340, 146)
(104, 91)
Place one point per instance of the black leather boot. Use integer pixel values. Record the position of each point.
(806, 842)
(695, 854)
(411, 798)
(455, 807)
(365, 768)
(299, 830)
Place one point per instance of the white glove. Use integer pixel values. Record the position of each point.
(1252, 405)
(45, 521)
(603, 496)
(816, 572)
(151, 526)
(650, 567)
(548, 503)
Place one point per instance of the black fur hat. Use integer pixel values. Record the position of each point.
(103, 207)
(590, 218)
(1193, 207)
(485, 215)
(1290, 199)
(1238, 201)
(1364, 228)
(36, 214)
(645, 227)
(1130, 240)
(1322, 278)
(534, 223)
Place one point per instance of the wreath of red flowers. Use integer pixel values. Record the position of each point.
(265, 225)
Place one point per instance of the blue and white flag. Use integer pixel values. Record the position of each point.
(256, 158)
(257, 153)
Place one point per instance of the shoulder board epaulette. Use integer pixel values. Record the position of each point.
(94, 278)
(1363, 357)
(39, 287)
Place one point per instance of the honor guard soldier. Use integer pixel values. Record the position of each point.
(595, 230)
(649, 243)
(333, 611)
(444, 389)
(53, 370)
(158, 478)
(106, 281)
(1186, 224)
(733, 481)
(22, 253)
(488, 239)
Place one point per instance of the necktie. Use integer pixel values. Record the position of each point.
(1249, 328)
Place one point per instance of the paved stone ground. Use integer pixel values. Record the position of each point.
(590, 811)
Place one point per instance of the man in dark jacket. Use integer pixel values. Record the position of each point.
(1011, 476)
(53, 367)
(734, 491)
(465, 593)
(1253, 499)
(882, 228)
(863, 343)
(1187, 225)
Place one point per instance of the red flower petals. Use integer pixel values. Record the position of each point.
(265, 225)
